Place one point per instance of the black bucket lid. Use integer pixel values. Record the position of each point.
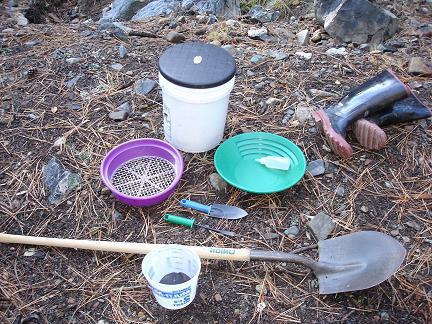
(197, 65)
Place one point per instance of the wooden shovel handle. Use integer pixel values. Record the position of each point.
(124, 247)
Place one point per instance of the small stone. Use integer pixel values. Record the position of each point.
(105, 191)
(394, 232)
(302, 113)
(316, 36)
(218, 183)
(271, 102)
(118, 115)
(125, 107)
(32, 252)
(340, 191)
(71, 301)
(116, 66)
(218, 297)
(384, 316)
(303, 37)
(337, 51)
(72, 82)
(181, 19)
(216, 43)
(257, 58)
(174, 37)
(417, 66)
(144, 86)
(364, 208)
(321, 93)
(414, 225)
(276, 55)
(270, 236)
(20, 19)
(292, 231)
(415, 85)
(304, 55)
(117, 215)
(321, 225)
(406, 239)
(316, 167)
(257, 33)
(232, 23)
(122, 51)
(73, 60)
(261, 289)
(250, 73)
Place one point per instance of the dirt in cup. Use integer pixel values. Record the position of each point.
(174, 278)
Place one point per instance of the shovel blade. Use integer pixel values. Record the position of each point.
(366, 259)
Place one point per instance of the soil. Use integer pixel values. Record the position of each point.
(388, 190)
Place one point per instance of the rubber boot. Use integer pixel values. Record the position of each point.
(371, 96)
(368, 131)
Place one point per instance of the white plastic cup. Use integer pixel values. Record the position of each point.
(194, 119)
(167, 260)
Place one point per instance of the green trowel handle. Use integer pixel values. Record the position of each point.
(178, 220)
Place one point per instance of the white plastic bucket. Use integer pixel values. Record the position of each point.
(194, 119)
(172, 260)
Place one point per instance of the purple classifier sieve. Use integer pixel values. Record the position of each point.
(142, 172)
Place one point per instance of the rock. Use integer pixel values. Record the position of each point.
(72, 82)
(270, 236)
(218, 183)
(302, 113)
(303, 37)
(271, 102)
(73, 60)
(174, 37)
(156, 8)
(340, 191)
(316, 36)
(116, 66)
(182, 19)
(316, 167)
(125, 107)
(356, 21)
(117, 215)
(337, 51)
(384, 316)
(122, 51)
(321, 93)
(118, 115)
(258, 33)
(32, 252)
(292, 231)
(143, 87)
(394, 232)
(321, 225)
(304, 55)
(406, 239)
(276, 55)
(263, 15)
(218, 297)
(232, 23)
(123, 9)
(20, 19)
(364, 208)
(261, 289)
(59, 181)
(414, 225)
(257, 58)
(417, 66)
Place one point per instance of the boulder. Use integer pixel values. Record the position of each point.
(358, 21)
(264, 15)
(124, 9)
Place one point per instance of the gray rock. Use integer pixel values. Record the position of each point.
(321, 93)
(293, 230)
(356, 20)
(270, 236)
(258, 33)
(20, 19)
(220, 8)
(418, 66)
(174, 37)
(123, 9)
(218, 183)
(144, 86)
(263, 15)
(72, 82)
(257, 58)
(303, 55)
(117, 66)
(340, 191)
(156, 8)
(117, 215)
(276, 55)
(122, 51)
(394, 232)
(59, 181)
(118, 115)
(364, 208)
(316, 36)
(414, 225)
(303, 37)
(337, 51)
(321, 225)
(316, 167)
(73, 60)
(302, 113)
(261, 289)
(271, 102)
(125, 107)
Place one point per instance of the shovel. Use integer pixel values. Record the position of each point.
(346, 263)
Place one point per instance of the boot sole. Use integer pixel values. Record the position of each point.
(369, 134)
(337, 142)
